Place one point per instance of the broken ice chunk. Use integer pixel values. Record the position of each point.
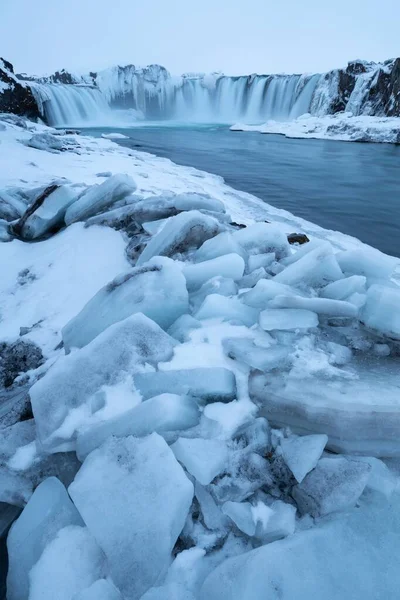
(367, 262)
(158, 290)
(335, 484)
(321, 306)
(217, 285)
(264, 291)
(119, 350)
(343, 288)
(263, 238)
(215, 306)
(100, 197)
(214, 384)
(229, 266)
(69, 563)
(287, 319)
(316, 268)
(181, 328)
(46, 214)
(381, 479)
(221, 244)
(256, 436)
(260, 260)
(251, 279)
(204, 459)
(381, 313)
(247, 473)
(192, 201)
(102, 589)
(213, 518)
(281, 522)
(338, 560)
(184, 231)
(301, 454)
(163, 413)
(48, 511)
(242, 515)
(263, 359)
(134, 498)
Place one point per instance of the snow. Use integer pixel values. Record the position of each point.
(157, 289)
(48, 511)
(342, 126)
(114, 136)
(129, 480)
(102, 589)
(108, 360)
(57, 282)
(70, 562)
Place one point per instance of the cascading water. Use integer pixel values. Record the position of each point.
(72, 105)
(252, 99)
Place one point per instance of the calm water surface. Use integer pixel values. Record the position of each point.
(350, 187)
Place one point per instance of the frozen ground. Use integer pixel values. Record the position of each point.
(214, 398)
(342, 126)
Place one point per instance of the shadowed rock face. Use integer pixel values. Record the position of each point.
(15, 97)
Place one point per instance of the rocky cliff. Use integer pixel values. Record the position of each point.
(15, 95)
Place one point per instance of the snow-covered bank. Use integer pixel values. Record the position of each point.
(342, 126)
(190, 371)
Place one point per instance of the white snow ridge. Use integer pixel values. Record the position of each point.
(191, 407)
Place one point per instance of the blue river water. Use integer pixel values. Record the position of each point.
(350, 187)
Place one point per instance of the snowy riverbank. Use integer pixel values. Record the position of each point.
(342, 126)
(214, 395)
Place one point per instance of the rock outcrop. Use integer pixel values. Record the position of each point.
(15, 95)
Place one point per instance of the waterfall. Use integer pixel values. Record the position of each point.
(66, 105)
(251, 99)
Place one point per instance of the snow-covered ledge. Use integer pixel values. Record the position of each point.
(341, 126)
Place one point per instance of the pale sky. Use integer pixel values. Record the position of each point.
(233, 36)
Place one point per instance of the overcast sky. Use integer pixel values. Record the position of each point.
(233, 36)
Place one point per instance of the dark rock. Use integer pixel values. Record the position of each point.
(134, 249)
(17, 358)
(237, 225)
(17, 97)
(297, 238)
